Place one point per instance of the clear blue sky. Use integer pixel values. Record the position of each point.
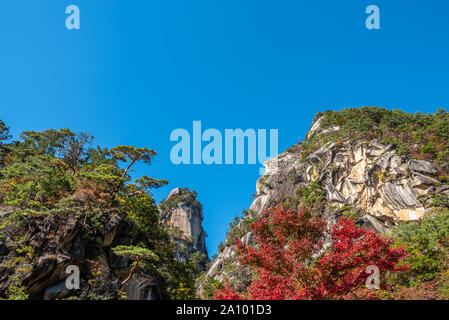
(139, 69)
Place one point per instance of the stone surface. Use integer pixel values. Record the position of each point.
(112, 227)
(142, 288)
(367, 175)
(57, 243)
(58, 290)
(187, 217)
(422, 166)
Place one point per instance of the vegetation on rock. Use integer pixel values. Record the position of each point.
(185, 195)
(419, 135)
(296, 259)
(65, 202)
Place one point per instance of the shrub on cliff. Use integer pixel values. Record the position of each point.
(425, 243)
(185, 195)
(423, 136)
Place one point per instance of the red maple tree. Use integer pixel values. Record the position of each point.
(293, 262)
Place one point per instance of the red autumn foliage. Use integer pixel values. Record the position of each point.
(292, 262)
(227, 294)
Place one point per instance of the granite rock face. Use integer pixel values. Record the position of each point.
(183, 212)
(383, 186)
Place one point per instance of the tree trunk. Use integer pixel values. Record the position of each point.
(130, 273)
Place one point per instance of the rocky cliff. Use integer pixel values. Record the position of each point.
(369, 179)
(70, 212)
(59, 241)
(182, 213)
(35, 251)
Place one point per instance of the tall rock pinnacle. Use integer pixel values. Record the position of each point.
(184, 214)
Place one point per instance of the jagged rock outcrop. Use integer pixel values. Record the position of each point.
(384, 187)
(183, 212)
(56, 242)
(36, 249)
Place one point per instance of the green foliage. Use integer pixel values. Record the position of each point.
(56, 173)
(18, 267)
(422, 136)
(422, 242)
(209, 286)
(220, 247)
(146, 183)
(16, 292)
(140, 209)
(4, 131)
(440, 200)
(93, 227)
(185, 195)
(382, 175)
(198, 259)
(28, 251)
(132, 154)
(311, 195)
(240, 226)
(37, 182)
(180, 279)
(263, 182)
(350, 212)
(135, 253)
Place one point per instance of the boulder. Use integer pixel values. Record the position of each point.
(422, 166)
(373, 223)
(111, 229)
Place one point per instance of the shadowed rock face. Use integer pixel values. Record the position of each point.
(143, 288)
(57, 242)
(186, 216)
(367, 175)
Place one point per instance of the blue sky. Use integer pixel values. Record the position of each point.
(136, 70)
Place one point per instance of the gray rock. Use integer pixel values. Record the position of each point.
(77, 251)
(422, 180)
(367, 175)
(141, 287)
(174, 192)
(398, 195)
(248, 238)
(39, 278)
(373, 223)
(422, 166)
(118, 262)
(443, 189)
(187, 217)
(111, 229)
(58, 290)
